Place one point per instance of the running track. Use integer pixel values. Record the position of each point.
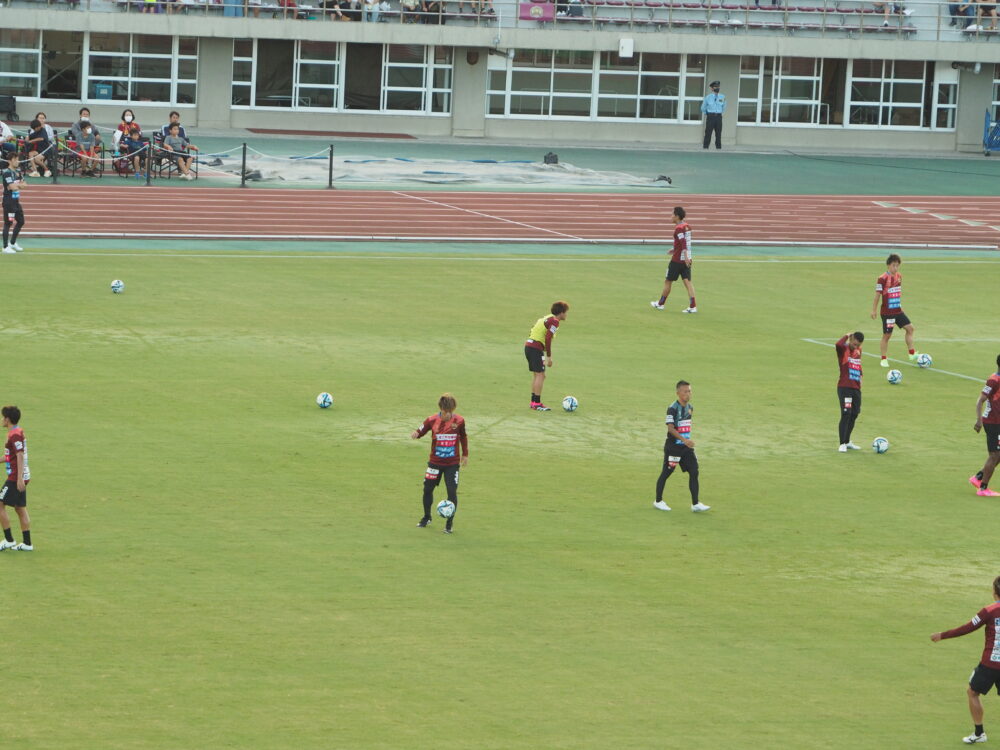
(188, 212)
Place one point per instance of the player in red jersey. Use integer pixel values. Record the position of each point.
(539, 343)
(889, 289)
(849, 386)
(449, 450)
(680, 262)
(987, 673)
(15, 490)
(989, 421)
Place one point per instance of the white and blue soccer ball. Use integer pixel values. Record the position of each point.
(570, 403)
(924, 360)
(117, 286)
(446, 509)
(880, 445)
(324, 400)
(895, 377)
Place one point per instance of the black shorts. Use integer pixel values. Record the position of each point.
(850, 399)
(535, 359)
(13, 209)
(679, 455)
(675, 269)
(983, 679)
(992, 437)
(11, 495)
(896, 320)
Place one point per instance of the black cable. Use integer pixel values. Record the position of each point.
(891, 166)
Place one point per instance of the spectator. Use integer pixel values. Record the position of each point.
(885, 7)
(384, 8)
(335, 6)
(76, 130)
(432, 10)
(963, 14)
(127, 121)
(179, 149)
(86, 150)
(353, 10)
(48, 128)
(6, 134)
(986, 8)
(175, 119)
(38, 150)
(370, 11)
(410, 10)
(149, 6)
(133, 148)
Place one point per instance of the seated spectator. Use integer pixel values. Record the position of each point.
(384, 8)
(410, 10)
(6, 134)
(133, 148)
(986, 9)
(432, 10)
(885, 7)
(963, 14)
(336, 6)
(353, 10)
(175, 119)
(127, 121)
(77, 127)
(37, 147)
(149, 6)
(86, 150)
(48, 128)
(179, 149)
(370, 10)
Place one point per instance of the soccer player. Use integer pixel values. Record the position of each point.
(988, 420)
(849, 386)
(13, 215)
(15, 490)
(889, 288)
(539, 344)
(987, 672)
(678, 450)
(680, 262)
(449, 450)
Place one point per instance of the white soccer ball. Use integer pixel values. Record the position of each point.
(570, 403)
(117, 286)
(880, 445)
(895, 377)
(924, 360)
(324, 400)
(446, 509)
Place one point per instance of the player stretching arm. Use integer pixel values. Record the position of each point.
(539, 343)
(987, 672)
(990, 421)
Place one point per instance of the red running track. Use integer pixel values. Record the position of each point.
(136, 211)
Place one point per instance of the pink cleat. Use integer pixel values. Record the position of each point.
(988, 493)
(540, 407)
(975, 481)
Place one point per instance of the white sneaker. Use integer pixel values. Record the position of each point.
(660, 505)
(690, 310)
(885, 24)
(656, 304)
(9, 250)
(972, 739)
(843, 448)
(22, 547)
(7, 545)
(908, 12)
(48, 173)
(699, 508)
(853, 447)
(17, 247)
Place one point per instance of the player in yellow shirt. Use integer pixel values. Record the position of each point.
(539, 347)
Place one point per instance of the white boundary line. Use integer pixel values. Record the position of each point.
(484, 215)
(908, 364)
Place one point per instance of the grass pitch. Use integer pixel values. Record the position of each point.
(221, 564)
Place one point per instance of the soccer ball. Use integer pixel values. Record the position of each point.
(570, 403)
(324, 400)
(924, 360)
(446, 509)
(895, 377)
(880, 445)
(117, 286)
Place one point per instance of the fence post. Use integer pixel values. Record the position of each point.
(243, 169)
(149, 163)
(55, 163)
(329, 176)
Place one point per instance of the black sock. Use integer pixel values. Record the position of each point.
(983, 485)
(979, 729)
(979, 475)
(535, 398)
(27, 537)
(8, 535)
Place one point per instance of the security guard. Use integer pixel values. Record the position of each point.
(712, 107)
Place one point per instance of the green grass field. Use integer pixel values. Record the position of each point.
(220, 564)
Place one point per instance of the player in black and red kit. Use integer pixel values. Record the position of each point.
(539, 343)
(889, 289)
(987, 672)
(849, 386)
(680, 262)
(678, 449)
(14, 492)
(13, 214)
(449, 450)
(988, 420)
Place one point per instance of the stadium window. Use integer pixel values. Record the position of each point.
(317, 75)
(244, 60)
(142, 68)
(20, 61)
(789, 90)
(887, 93)
(416, 78)
(274, 73)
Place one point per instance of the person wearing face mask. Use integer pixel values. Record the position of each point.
(713, 106)
(126, 126)
(76, 130)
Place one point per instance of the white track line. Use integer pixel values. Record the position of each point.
(484, 215)
(908, 364)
